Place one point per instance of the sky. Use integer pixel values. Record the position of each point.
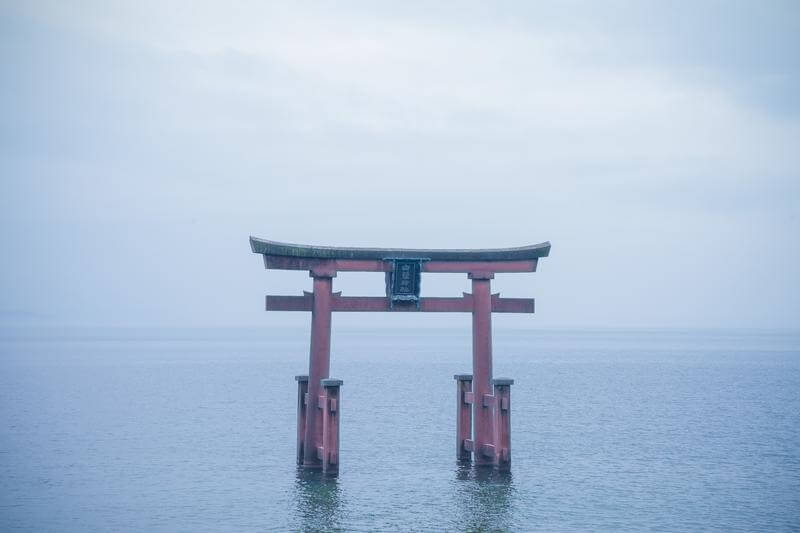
(656, 145)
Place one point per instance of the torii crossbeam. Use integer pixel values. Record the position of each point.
(480, 398)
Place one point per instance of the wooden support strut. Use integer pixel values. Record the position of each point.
(502, 391)
(330, 424)
(464, 400)
(302, 394)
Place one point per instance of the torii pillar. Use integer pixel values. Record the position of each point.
(483, 410)
(319, 363)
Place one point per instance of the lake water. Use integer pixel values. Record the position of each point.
(193, 430)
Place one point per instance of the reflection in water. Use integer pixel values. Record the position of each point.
(318, 501)
(486, 498)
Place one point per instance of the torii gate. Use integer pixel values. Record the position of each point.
(480, 398)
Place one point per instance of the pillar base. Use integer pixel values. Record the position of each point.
(497, 452)
(330, 405)
(327, 404)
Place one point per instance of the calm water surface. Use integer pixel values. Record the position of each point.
(194, 430)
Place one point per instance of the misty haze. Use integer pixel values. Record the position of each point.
(651, 147)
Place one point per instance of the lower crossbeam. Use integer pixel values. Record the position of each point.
(381, 304)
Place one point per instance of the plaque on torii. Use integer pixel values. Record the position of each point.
(483, 420)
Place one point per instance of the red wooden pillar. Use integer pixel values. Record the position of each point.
(484, 401)
(502, 391)
(302, 390)
(331, 405)
(319, 363)
(464, 399)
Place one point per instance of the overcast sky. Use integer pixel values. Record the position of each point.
(656, 145)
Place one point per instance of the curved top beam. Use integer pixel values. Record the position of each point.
(265, 247)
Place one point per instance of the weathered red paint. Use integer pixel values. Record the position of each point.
(290, 303)
(330, 425)
(502, 391)
(512, 305)
(342, 265)
(463, 416)
(318, 366)
(482, 413)
(528, 265)
(380, 303)
(377, 265)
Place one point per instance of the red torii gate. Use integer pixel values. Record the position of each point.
(480, 398)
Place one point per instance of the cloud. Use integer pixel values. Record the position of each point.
(146, 141)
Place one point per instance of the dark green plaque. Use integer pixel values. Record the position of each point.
(404, 282)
